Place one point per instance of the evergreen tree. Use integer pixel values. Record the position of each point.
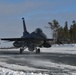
(73, 30)
(60, 32)
(54, 25)
(71, 33)
(66, 31)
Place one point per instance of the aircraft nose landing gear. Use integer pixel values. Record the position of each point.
(38, 51)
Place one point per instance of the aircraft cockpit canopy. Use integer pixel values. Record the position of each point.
(38, 30)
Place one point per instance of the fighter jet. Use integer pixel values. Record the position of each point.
(33, 41)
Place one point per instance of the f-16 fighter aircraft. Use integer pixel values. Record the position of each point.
(32, 41)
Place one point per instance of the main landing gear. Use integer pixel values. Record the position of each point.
(38, 51)
(21, 50)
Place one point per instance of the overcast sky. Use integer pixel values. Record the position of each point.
(37, 13)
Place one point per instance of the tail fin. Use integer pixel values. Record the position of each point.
(24, 27)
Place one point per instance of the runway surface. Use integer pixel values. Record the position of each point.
(47, 62)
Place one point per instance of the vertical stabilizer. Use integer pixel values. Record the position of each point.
(24, 25)
(24, 28)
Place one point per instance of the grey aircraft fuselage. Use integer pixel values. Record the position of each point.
(32, 40)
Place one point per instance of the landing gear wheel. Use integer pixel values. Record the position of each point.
(21, 50)
(38, 51)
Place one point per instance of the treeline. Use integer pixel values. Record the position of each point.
(66, 33)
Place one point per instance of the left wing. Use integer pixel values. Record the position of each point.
(25, 39)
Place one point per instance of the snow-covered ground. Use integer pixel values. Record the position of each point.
(4, 71)
(65, 48)
(47, 63)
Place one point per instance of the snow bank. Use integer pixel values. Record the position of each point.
(19, 67)
(4, 71)
(65, 49)
(12, 69)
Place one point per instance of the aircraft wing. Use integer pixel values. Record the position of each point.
(15, 39)
(25, 39)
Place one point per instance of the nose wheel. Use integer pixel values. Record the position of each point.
(37, 51)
